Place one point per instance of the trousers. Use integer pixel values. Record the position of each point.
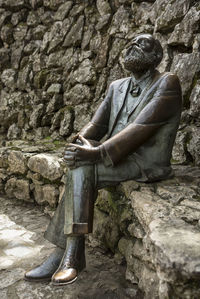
(74, 214)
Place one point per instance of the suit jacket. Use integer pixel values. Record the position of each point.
(149, 134)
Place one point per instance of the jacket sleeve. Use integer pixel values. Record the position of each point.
(98, 126)
(164, 105)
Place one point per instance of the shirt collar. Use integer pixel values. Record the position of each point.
(142, 79)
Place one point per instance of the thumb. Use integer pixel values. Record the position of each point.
(84, 141)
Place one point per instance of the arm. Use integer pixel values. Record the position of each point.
(165, 104)
(98, 126)
(82, 148)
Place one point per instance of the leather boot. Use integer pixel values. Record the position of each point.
(72, 263)
(45, 271)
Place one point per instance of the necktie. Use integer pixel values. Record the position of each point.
(136, 90)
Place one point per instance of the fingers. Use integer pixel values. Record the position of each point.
(73, 147)
(69, 156)
(84, 141)
(70, 147)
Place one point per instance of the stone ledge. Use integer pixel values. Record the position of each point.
(156, 228)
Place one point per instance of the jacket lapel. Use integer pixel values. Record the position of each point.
(119, 98)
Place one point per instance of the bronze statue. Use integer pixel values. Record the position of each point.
(140, 116)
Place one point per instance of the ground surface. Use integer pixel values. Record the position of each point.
(22, 246)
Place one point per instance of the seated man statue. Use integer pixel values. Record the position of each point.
(139, 117)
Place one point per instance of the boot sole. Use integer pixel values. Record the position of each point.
(59, 284)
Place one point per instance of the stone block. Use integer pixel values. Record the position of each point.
(17, 162)
(183, 32)
(74, 36)
(85, 73)
(47, 165)
(185, 66)
(44, 194)
(195, 101)
(167, 13)
(193, 145)
(18, 188)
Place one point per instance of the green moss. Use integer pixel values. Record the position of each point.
(173, 161)
(48, 138)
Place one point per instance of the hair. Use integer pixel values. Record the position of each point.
(158, 53)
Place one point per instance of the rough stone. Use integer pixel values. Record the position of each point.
(185, 66)
(54, 88)
(20, 31)
(16, 54)
(74, 36)
(183, 32)
(106, 231)
(63, 11)
(4, 58)
(17, 162)
(36, 116)
(66, 124)
(18, 188)
(194, 143)
(104, 20)
(80, 93)
(46, 165)
(32, 19)
(124, 25)
(85, 73)
(13, 5)
(103, 7)
(7, 34)
(8, 77)
(55, 59)
(179, 153)
(13, 132)
(141, 12)
(5, 16)
(55, 102)
(19, 16)
(195, 102)
(25, 77)
(46, 194)
(82, 116)
(168, 13)
(56, 36)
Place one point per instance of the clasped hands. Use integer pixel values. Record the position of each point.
(81, 153)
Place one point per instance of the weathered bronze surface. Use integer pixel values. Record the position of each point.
(139, 117)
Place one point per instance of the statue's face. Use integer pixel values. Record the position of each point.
(138, 56)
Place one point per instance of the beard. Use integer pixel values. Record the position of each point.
(138, 61)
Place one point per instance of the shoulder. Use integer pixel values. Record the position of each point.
(170, 82)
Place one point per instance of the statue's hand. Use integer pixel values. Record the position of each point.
(75, 154)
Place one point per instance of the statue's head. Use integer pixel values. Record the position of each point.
(144, 53)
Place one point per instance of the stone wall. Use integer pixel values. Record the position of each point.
(58, 57)
(32, 176)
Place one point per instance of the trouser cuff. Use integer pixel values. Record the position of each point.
(77, 228)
